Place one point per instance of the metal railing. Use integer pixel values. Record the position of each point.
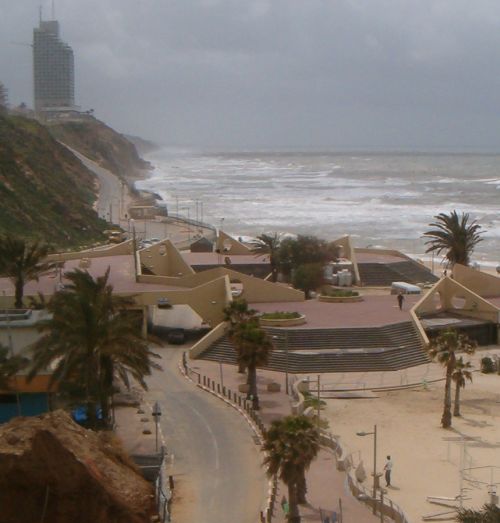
(163, 491)
(191, 221)
(345, 462)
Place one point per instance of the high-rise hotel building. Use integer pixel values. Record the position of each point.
(53, 69)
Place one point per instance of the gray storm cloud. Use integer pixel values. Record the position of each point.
(282, 73)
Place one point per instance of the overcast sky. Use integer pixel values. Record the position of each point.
(418, 74)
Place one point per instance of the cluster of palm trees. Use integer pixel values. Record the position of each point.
(91, 340)
(455, 235)
(444, 348)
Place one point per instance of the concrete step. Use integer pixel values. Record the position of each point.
(383, 274)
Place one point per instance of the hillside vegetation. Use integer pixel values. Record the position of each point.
(104, 145)
(45, 190)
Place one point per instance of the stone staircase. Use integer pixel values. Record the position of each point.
(391, 347)
(383, 274)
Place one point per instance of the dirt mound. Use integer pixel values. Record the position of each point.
(53, 470)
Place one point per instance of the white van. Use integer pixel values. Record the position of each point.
(402, 287)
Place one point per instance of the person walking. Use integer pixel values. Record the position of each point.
(388, 470)
(401, 299)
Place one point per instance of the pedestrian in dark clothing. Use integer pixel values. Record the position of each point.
(388, 469)
(401, 299)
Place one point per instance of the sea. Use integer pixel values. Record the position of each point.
(384, 200)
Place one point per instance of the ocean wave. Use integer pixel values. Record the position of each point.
(380, 198)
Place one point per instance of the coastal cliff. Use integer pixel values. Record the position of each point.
(45, 190)
(104, 145)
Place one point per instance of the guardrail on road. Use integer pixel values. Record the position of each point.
(244, 407)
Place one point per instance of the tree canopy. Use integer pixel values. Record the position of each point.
(92, 339)
(444, 348)
(3, 98)
(291, 444)
(251, 342)
(302, 250)
(269, 244)
(454, 235)
(488, 514)
(21, 262)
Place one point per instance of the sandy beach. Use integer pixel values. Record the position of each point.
(427, 459)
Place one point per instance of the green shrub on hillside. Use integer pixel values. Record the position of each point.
(46, 192)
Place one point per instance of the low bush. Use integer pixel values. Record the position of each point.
(338, 293)
(487, 365)
(278, 315)
(312, 401)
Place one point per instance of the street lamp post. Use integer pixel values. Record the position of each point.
(156, 416)
(219, 244)
(374, 463)
(134, 247)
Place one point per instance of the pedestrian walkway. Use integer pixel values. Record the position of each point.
(130, 425)
(326, 485)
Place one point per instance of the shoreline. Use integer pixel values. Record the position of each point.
(387, 205)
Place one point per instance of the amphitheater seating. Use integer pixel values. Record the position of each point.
(383, 274)
(390, 347)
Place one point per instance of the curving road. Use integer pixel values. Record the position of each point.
(213, 458)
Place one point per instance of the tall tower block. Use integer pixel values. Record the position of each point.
(53, 69)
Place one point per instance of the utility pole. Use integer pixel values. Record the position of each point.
(134, 247)
(319, 385)
(286, 363)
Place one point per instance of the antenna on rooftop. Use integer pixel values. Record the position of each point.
(40, 9)
(53, 10)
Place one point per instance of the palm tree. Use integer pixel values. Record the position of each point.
(3, 98)
(91, 339)
(10, 365)
(444, 348)
(291, 444)
(236, 313)
(461, 373)
(22, 262)
(454, 235)
(254, 347)
(269, 244)
(489, 514)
